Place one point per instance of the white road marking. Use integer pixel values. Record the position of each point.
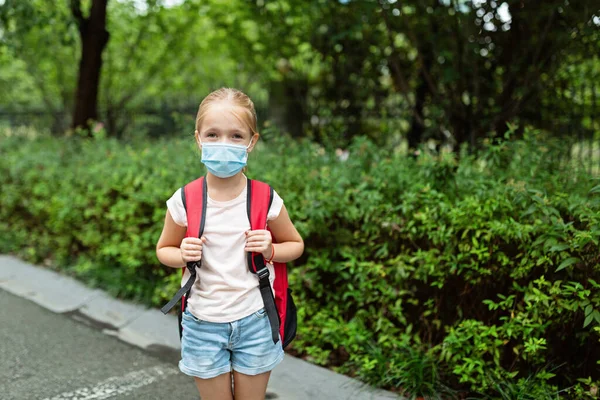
(118, 385)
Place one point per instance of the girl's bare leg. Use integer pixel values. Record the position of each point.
(250, 387)
(217, 388)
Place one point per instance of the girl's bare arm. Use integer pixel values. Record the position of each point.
(167, 248)
(290, 245)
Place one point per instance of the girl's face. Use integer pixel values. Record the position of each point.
(223, 123)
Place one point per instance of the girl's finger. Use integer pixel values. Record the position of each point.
(193, 250)
(255, 248)
(257, 232)
(193, 240)
(193, 245)
(192, 253)
(256, 239)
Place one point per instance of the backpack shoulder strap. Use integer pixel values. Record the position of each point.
(260, 197)
(193, 196)
(259, 200)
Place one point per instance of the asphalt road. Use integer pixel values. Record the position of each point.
(52, 356)
(62, 340)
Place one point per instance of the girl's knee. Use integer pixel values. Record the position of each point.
(217, 388)
(250, 387)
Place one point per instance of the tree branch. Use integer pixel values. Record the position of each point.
(160, 62)
(78, 15)
(404, 88)
(511, 107)
(432, 87)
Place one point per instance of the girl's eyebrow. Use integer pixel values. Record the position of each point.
(213, 129)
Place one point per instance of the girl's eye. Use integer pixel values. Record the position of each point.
(211, 134)
(237, 136)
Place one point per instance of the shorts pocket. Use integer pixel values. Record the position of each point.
(260, 313)
(187, 315)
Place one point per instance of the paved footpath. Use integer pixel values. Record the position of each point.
(78, 343)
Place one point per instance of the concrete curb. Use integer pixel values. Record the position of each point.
(151, 330)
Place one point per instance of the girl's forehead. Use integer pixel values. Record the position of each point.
(224, 116)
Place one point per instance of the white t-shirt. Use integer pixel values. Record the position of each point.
(225, 290)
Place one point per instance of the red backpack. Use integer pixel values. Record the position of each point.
(280, 308)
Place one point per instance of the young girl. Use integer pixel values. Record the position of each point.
(225, 331)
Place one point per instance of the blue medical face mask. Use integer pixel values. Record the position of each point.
(223, 159)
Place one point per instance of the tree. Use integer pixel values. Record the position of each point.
(38, 46)
(479, 64)
(457, 71)
(94, 37)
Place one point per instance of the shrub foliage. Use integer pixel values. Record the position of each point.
(440, 275)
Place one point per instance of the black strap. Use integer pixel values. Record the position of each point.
(191, 266)
(267, 295)
(270, 199)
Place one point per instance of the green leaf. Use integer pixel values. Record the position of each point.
(588, 320)
(529, 210)
(559, 247)
(566, 263)
(595, 189)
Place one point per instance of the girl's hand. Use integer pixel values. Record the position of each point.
(259, 241)
(191, 249)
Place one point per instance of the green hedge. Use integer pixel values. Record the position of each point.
(438, 275)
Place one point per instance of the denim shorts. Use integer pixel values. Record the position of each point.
(209, 349)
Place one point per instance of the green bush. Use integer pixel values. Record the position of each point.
(434, 276)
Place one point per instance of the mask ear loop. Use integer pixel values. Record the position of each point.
(245, 169)
(198, 139)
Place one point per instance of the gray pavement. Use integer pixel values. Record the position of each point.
(44, 355)
(79, 343)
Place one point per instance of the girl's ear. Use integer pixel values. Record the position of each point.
(197, 136)
(253, 141)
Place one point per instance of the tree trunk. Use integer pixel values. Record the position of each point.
(415, 135)
(287, 105)
(94, 38)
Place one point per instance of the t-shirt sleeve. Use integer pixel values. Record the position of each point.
(275, 207)
(175, 206)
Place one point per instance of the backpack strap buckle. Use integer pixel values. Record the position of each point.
(263, 273)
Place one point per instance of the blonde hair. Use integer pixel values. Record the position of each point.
(235, 97)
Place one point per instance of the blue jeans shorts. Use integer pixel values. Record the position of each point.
(209, 349)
